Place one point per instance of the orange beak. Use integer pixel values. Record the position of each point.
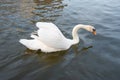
(94, 32)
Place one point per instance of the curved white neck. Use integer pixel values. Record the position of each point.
(75, 32)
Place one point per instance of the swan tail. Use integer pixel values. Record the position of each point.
(31, 44)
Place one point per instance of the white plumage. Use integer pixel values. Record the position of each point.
(51, 39)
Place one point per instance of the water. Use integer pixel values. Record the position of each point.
(94, 58)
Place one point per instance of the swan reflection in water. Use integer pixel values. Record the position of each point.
(56, 57)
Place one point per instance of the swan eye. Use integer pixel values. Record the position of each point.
(94, 29)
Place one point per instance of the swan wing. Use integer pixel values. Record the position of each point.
(46, 25)
(50, 35)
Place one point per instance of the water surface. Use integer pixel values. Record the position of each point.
(94, 58)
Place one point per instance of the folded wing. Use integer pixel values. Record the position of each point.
(50, 35)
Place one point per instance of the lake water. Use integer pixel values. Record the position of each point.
(94, 58)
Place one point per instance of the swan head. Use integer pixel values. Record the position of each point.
(91, 29)
(81, 26)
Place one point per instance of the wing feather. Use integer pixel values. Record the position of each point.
(50, 35)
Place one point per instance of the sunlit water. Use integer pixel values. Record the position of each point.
(94, 58)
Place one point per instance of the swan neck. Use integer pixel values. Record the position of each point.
(75, 33)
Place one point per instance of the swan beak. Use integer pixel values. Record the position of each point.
(94, 32)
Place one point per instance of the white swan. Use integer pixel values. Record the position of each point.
(51, 39)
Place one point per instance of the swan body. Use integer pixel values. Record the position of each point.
(51, 39)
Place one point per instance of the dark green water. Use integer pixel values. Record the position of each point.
(94, 58)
